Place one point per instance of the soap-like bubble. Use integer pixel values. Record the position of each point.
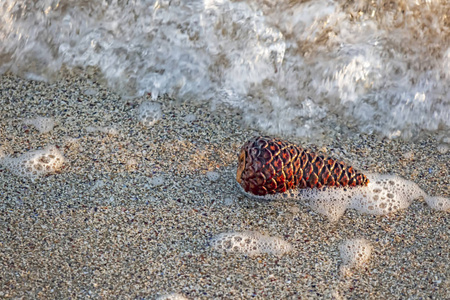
(251, 243)
(90, 92)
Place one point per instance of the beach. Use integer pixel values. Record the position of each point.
(131, 213)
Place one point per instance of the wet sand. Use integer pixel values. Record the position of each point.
(131, 213)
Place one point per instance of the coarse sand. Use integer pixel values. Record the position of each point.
(131, 213)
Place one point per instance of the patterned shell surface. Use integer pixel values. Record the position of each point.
(268, 165)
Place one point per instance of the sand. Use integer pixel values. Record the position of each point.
(131, 213)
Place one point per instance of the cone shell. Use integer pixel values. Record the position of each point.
(268, 166)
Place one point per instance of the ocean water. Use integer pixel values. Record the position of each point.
(294, 68)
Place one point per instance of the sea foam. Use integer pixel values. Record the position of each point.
(149, 113)
(36, 163)
(383, 195)
(354, 253)
(250, 242)
(42, 124)
(289, 66)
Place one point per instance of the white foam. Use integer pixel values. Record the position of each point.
(355, 252)
(384, 194)
(202, 50)
(251, 243)
(438, 203)
(35, 163)
(351, 59)
(149, 113)
(172, 296)
(42, 124)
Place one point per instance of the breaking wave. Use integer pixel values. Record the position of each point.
(293, 67)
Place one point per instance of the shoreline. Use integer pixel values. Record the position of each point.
(132, 212)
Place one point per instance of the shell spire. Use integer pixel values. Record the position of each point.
(268, 166)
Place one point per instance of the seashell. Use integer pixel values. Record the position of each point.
(268, 166)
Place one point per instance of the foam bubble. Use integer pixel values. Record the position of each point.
(213, 176)
(384, 194)
(355, 252)
(35, 163)
(438, 203)
(149, 113)
(42, 124)
(251, 243)
(172, 296)
(333, 208)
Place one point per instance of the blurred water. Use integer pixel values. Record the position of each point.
(293, 67)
